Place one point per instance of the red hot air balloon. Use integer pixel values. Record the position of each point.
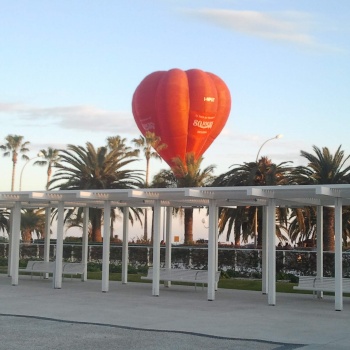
(186, 109)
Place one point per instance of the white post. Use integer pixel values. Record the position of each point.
(319, 247)
(125, 247)
(57, 278)
(47, 237)
(168, 239)
(156, 248)
(85, 243)
(265, 250)
(16, 234)
(10, 248)
(106, 246)
(338, 257)
(211, 250)
(271, 251)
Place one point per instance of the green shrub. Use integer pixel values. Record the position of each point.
(117, 268)
(281, 276)
(23, 263)
(3, 261)
(72, 239)
(94, 267)
(142, 269)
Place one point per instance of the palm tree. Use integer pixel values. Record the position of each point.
(4, 220)
(32, 221)
(346, 224)
(236, 219)
(182, 175)
(14, 146)
(242, 219)
(147, 143)
(51, 158)
(90, 168)
(119, 144)
(302, 224)
(324, 168)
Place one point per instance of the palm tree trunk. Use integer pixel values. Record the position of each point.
(188, 226)
(13, 176)
(237, 232)
(27, 235)
(49, 171)
(328, 228)
(258, 225)
(96, 223)
(111, 228)
(147, 171)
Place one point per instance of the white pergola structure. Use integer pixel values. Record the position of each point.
(269, 197)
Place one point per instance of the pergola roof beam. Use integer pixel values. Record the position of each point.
(292, 195)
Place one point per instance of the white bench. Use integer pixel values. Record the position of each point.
(73, 269)
(182, 275)
(42, 267)
(38, 267)
(322, 284)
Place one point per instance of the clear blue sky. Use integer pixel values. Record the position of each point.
(69, 69)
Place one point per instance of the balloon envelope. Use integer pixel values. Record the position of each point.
(186, 109)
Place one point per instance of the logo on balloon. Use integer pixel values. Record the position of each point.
(203, 125)
(148, 126)
(174, 105)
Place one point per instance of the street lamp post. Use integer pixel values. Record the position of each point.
(272, 138)
(256, 208)
(39, 155)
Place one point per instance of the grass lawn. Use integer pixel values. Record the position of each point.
(243, 284)
(234, 283)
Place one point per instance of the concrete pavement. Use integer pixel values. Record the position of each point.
(79, 316)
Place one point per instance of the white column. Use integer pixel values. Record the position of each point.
(85, 243)
(125, 247)
(57, 278)
(338, 257)
(9, 255)
(47, 234)
(47, 238)
(319, 247)
(211, 249)
(16, 235)
(271, 234)
(168, 239)
(216, 244)
(106, 245)
(265, 250)
(156, 248)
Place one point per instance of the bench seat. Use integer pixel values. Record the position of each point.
(182, 275)
(323, 284)
(49, 267)
(38, 267)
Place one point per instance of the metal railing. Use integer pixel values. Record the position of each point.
(235, 261)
